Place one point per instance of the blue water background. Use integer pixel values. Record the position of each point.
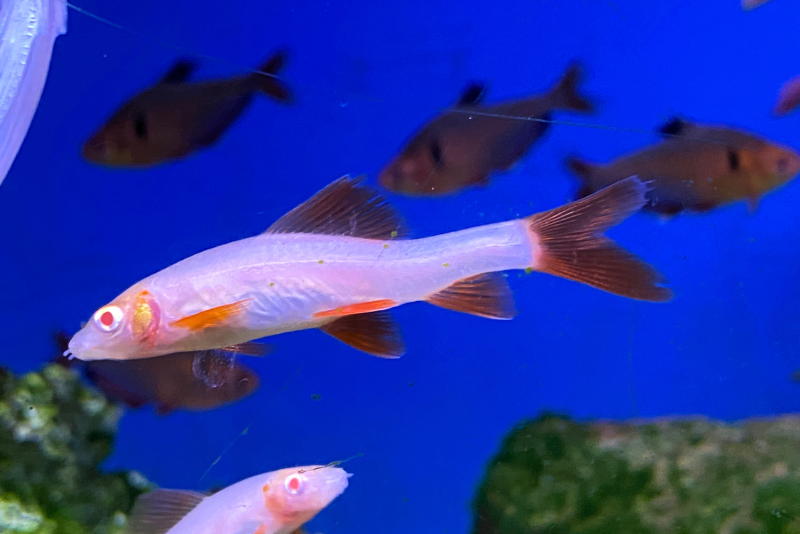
(366, 74)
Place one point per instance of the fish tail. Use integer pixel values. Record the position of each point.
(565, 94)
(585, 172)
(270, 85)
(570, 244)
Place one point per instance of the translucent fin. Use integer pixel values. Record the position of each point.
(161, 509)
(344, 207)
(375, 333)
(485, 295)
(573, 247)
(249, 348)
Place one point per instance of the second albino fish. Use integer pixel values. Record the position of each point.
(338, 262)
(279, 502)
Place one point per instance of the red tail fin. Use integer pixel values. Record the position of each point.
(270, 85)
(573, 247)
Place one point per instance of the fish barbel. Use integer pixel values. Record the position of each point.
(338, 262)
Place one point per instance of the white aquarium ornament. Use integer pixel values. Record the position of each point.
(28, 29)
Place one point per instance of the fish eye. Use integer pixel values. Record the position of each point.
(108, 318)
(782, 165)
(293, 484)
(436, 152)
(140, 125)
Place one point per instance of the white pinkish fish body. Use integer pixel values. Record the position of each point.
(279, 502)
(28, 30)
(338, 262)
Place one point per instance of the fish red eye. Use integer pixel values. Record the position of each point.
(108, 318)
(293, 484)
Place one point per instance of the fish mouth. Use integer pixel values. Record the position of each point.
(80, 348)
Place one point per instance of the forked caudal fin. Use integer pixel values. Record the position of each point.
(572, 245)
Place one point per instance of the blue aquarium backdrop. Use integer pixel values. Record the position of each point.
(365, 76)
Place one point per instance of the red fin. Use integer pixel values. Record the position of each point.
(361, 307)
(375, 333)
(158, 511)
(212, 316)
(249, 348)
(344, 207)
(566, 93)
(270, 85)
(261, 530)
(573, 247)
(485, 295)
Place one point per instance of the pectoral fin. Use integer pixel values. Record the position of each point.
(212, 317)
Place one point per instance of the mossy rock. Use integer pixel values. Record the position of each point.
(54, 432)
(688, 476)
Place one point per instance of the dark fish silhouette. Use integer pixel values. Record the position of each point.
(459, 149)
(697, 168)
(175, 117)
(195, 381)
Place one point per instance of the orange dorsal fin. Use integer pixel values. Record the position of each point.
(361, 307)
(375, 333)
(158, 511)
(485, 295)
(212, 317)
(345, 207)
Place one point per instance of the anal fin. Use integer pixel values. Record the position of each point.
(375, 333)
(485, 295)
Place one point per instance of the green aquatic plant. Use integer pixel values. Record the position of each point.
(54, 432)
(687, 476)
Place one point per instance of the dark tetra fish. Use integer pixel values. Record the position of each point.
(459, 149)
(697, 168)
(175, 117)
(195, 381)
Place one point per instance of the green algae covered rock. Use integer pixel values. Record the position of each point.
(54, 432)
(686, 476)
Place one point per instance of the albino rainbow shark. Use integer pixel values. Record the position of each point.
(338, 262)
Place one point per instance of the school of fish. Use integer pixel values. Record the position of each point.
(341, 260)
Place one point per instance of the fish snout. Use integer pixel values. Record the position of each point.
(80, 347)
(330, 482)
